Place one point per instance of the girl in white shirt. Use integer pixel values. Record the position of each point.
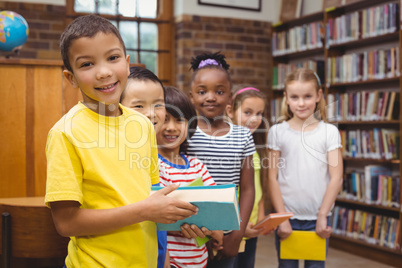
(305, 171)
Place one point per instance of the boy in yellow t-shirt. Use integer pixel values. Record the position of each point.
(102, 159)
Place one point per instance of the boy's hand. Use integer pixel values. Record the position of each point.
(250, 232)
(284, 230)
(322, 229)
(217, 240)
(164, 209)
(231, 243)
(192, 231)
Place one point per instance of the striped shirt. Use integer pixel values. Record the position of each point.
(183, 252)
(223, 155)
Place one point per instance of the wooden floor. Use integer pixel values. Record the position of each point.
(267, 258)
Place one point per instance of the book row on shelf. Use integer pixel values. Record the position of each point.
(372, 228)
(276, 106)
(363, 106)
(280, 71)
(376, 143)
(354, 106)
(362, 24)
(299, 38)
(375, 185)
(367, 65)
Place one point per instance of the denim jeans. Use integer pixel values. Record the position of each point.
(246, 259)
(305, 226)
(225, 263)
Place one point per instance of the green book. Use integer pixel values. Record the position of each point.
(218, 208)
(199, 241)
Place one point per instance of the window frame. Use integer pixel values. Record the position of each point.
(165, 23)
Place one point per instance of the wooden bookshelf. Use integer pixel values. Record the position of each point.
(391, 81)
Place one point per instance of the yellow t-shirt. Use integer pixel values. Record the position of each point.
(258, 188)
(105, 162)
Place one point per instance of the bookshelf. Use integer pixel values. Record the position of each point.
(306, 31)
(360, 42)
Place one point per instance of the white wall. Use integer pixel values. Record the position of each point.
(311, 6)
(269, 10)
(51, 2)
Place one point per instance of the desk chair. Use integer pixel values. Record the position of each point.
(28, 235)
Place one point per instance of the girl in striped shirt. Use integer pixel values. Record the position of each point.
(175, 167)
(226, 149)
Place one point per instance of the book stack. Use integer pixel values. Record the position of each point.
(376, 143)
(375, 185)
(365, 23)
(368, 65)
(299, 38)
(363, 106)
(372, 228)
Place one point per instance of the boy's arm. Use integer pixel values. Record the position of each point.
(71, 220)
(335, 167)
(232, 241)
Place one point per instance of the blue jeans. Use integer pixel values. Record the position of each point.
(225, 263)
(246, 259)
(304, 226)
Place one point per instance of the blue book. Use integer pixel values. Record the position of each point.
(218, 208)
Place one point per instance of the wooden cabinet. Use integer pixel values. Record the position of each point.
(34, 97)
(361, 54)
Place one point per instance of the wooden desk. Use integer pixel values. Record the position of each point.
(34, 241)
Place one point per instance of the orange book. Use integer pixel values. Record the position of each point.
(271, 221)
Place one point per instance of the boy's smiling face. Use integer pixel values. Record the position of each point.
(146, 97)
(99, 68)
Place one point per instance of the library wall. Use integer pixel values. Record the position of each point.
(34, 97)
(46, 23)
(246, 44)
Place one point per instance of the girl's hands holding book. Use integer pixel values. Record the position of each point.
(284, 230)
(250, 232)
(164, 209)
(193, 232)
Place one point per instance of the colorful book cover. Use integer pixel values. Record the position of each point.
(271, 221)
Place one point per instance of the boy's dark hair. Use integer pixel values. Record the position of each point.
(179, 105)
(85, 26)
(210, 61)
(143, 74)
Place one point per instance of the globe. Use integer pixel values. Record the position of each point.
(13, 31)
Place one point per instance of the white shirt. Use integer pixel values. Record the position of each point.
(303, 174)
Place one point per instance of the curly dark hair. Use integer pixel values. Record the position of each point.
(216, 57)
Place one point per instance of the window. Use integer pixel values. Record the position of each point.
(145, 26)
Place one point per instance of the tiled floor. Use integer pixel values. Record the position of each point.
(266, 257)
